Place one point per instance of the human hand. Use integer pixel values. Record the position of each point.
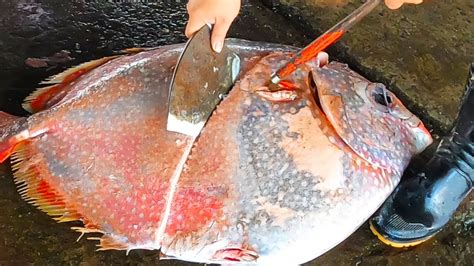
(396, 4)
(221, 13)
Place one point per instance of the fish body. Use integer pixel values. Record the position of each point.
(275, 177)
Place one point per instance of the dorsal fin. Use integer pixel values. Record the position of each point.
(135, 50)
(73, 73)
(46, 97)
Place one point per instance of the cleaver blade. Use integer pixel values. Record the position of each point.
(200, 80)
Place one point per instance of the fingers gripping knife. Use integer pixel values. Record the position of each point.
(200, 80)
(322, 42)
(202, 76)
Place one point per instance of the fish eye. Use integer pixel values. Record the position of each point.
(382, 97)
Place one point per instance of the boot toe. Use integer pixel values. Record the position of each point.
(395, 231)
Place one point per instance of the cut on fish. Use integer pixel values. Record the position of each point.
(275, 177)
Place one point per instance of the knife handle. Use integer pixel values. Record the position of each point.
(322, 42)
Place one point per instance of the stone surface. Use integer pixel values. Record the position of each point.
(92, 29)
(422, 52)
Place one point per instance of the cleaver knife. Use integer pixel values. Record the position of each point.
(200, 80)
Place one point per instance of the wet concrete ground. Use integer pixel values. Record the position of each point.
(424, 58)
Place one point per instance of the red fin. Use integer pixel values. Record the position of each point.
(236, 254)
(287, 85)
(31, 179)
(36, 190)
(46, 97)
(6, 149)
(278, 96)
(10, 134)
(87, 229)
(135, 50)
(106, 242)
(42, 98)
(109, 243)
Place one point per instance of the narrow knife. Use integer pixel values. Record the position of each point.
(322, 42)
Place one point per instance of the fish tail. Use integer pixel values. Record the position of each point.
(11, 133)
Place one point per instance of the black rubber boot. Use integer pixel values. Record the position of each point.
(423, 204)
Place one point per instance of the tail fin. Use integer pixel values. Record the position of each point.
(11, 128)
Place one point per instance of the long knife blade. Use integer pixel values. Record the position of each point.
(322, 42)
(200, 80)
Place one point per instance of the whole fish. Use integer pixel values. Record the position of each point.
(276, 177)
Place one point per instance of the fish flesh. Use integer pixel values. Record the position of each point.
(276, 177)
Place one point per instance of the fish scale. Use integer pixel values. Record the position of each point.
(274, 178)
(267, 177)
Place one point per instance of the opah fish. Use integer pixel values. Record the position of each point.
(274, 178)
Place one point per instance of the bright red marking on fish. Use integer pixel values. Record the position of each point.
(307, 54)
(6, 149)
(235, 254)
(191, 211)
(287, 85)
(47, 193)
(40, 101)
(73, 76)
(135, 214)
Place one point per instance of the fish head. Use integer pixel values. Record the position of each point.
(368, 117)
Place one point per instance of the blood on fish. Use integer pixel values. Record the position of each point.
(287, 85)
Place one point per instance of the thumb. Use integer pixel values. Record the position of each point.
(322, 59)
(194, 24)
(393, 4)
(219, 33)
